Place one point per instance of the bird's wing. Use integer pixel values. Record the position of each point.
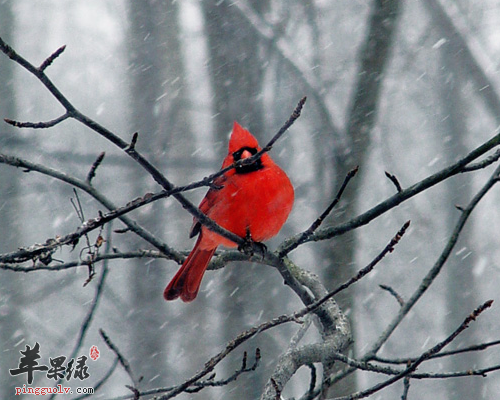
(207, 203)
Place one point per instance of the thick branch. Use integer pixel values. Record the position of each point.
(291, 361)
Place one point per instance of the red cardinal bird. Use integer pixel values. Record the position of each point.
(251, 199)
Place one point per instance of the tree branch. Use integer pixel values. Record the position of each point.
(398, 198)
(436, 269)
(34, 251)
(425, 356)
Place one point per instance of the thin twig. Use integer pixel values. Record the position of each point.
(398, 198)
(302, 238)
(93, 308)
(388, 249)
(477, 347)
(394, 294)
(123, 361)
(50, 59)
(295, 115)
(425, 356)
(101, 381)
(94, 167)
(32, 252)
(74, 264)
(117, 141)
(381, 369)
(484, 163)
(436, 269)
(394, 180)
(133, 142)
(38, 125)
(234, 376)
(199, 385)
(92, 250)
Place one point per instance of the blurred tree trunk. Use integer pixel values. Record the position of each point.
(235, 68)
(11, 284)
(461, 289)
(374, 55)
(236, 73)
(158, 114)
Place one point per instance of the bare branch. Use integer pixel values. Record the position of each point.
(398, 198)
(295, 115)
(425, 356)
(94, 167)
(52, 244)
(116, 140)
(406, 388)
(388, 249)
(123, 361)
(236, 374)
(92, 310)
(477, 347)
(394, 180)
(394, 294)
(73, 264)
(101, 382)
(50, 59)
(380, 369)
(130, 148)
(436, 269)
(302, 238)
(201, 384)
(38, 125)
(92, 250)
(484, 163)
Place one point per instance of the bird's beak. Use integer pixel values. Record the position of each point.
(246, 154)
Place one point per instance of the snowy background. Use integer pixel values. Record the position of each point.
(179, 73)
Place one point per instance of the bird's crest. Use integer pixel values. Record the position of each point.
(240, 137)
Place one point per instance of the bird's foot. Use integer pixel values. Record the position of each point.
(262, 248)
(250, 247)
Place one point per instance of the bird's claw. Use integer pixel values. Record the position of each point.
(246, 248)
(249, 246)
(262, 248)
